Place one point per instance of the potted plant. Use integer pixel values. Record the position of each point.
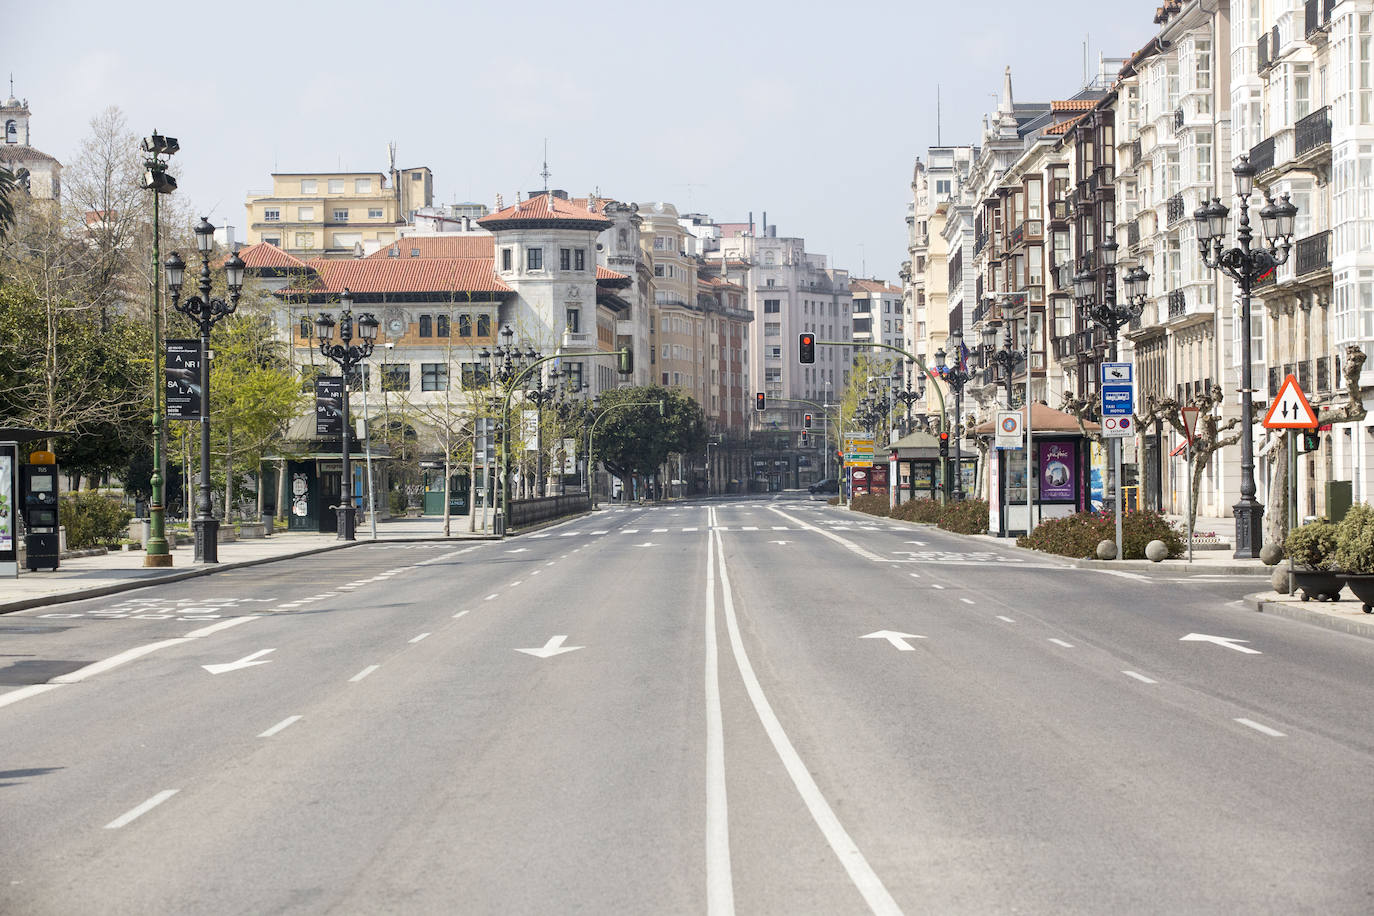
(1312, 548)
(1354, 554)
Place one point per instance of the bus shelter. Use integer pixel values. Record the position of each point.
(1060, 468)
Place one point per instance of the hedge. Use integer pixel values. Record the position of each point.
(92, 520)
(1078, 535)
(969, 516)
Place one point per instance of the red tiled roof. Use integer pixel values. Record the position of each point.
(405, 275)
(264, 255)
(440, 246)
(545, 207)
(1073, 105)
(871, 286)
(605, 273)
(1055, 130)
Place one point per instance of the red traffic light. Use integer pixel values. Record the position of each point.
(807, 348)
(759, 401)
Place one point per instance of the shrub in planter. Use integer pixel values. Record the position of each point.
(1312, 548)
(871, 504)
(1354, 554)
(969, 516)
(92, 520)
(919, 510)
(1313, 545)
(1078, 535)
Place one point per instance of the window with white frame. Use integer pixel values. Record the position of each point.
(305, 214)
(271, 214)
(362, 186)
(772, 329)
(1202, 157)
(340, 215)
(374, 212)
(336, 186)
(310, 186)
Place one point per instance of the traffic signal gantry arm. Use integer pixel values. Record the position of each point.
(504, 500)
(910, 358)
(591, 431)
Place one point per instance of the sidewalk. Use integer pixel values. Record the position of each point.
(94, 576)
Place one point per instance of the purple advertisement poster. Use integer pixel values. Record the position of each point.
(1056, 471)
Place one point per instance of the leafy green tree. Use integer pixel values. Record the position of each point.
(634, 442)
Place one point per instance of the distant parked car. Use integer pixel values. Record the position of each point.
(828, 485)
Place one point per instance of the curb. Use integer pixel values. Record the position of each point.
(1355, 627)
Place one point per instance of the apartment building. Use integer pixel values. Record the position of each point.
(878, 315)
(336, 214)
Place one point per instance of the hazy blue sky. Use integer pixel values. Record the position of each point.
(810, 111)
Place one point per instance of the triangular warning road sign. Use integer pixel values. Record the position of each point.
(1190, 415)
(1290, 409)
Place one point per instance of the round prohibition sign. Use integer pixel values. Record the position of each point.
(1010, 424)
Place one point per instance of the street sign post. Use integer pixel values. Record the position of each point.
(1009, 431)
(1118, 411)
(1290, 409)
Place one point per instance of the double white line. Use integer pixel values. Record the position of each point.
(720, 892)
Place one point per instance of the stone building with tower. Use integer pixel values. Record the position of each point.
(36, 171)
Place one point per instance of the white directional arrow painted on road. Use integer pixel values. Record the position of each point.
(245, 662)
(1227, 641)
(551, 648)
(897, 639)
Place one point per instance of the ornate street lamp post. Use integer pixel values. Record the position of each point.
(908, 396)
(542, 396)
(1007, 358)
(348, 355)
(1246, 265)
(205, 311)
(156, 179)
(508, 363)
(957, 376)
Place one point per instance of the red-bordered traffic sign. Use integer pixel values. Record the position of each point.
(1290, 409)
(1190, 415)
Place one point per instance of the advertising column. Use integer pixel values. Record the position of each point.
(9, 510)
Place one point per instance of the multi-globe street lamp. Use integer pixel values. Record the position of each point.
(956, 376)
(348, 355)
(205, 310)
(1007, 357)
(1245, 266)
(508, 370)
(155, 179)
(909, 395)
(541, 395)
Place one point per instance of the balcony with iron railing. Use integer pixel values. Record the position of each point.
(1175, 210)
(1178, 303)
(1262, 53)
(1133, 232)
(1136, 151)
(1178, 120)
(1304, 375)
(1323, 373)
(1313, 132)
(1317, 18)
(1262, 155)
(1313, 254)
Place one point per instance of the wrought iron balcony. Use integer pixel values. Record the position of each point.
(1314, 253)
(1262, 155)
(1133, 232)
(1323, 373)
(1175, 210)
(1275, 380)
(1262, 50)
(1178, 303)
(1313, 132)
(1318, 16)
(1178, 119)
(1305, 375)
(1135, 152)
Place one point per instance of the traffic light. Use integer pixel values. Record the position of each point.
(808, 348)
(627, 360)
(759, 402)
(806, 421)
(1311, 441)
(944, 445)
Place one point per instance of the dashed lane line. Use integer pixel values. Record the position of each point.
(281, 726)
(1140, 677)
(362, 674)
(1262, 729)
(130, 816)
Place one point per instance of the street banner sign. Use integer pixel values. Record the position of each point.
(1190, 415)
(329, 407)
(1290, 409)
(1010, 433)
(182, 361)
(1117, 427)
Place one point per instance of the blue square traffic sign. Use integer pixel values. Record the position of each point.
(1117, 400)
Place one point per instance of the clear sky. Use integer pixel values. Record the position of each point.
(811, 111)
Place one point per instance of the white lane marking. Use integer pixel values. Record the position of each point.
(895, 638)
(246, 662)
(780, 528)
(362, 674)
(1262, 729)
(518, 550)
(749, 528)
(551, 562)
(489, 597)
(629, 531)
(538, 535)
(966, 600)
(23, 693)
(280, 726)
(915, 575)
(536, 572)
(1122, 575)
(937, 586)
(647, 544)
(1140, 677)
(420, 637)
(659, 531)
(568, 534)
(141, 810)
(860, 872)
(515, 583)
(720, 894)
(460, 614)
(689, 529)
(551, 648)
(114, 661)
(866, 554)
(222, 625)
(1060, 642)
(1229, 642)
(1005, 619)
